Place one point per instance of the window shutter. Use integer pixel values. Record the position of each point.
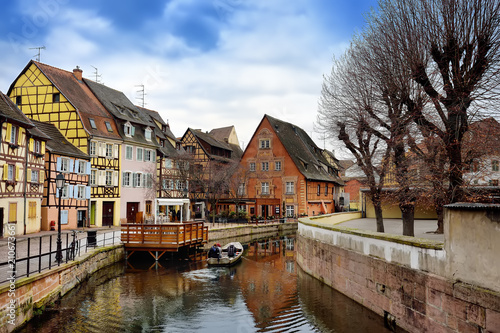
(134, 180)
(17, 172)
(57, 192)
(70, 191)
(87, 192)
(71, 163)
(100, 180)
(153, 155)
(28, 176)
(64, 217)
(20, 136)
(42, 149)
(115, 178)
(133, 130)
(75, 192)
(5, 171)
(58, 164)
(89, 166)
(32, 142)
(8, 132)
(101, 149)
(115, 151)
(41, 177)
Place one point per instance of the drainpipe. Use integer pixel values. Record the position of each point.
(25, 177)
(88, 200)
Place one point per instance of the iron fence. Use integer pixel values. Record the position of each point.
(28, 256)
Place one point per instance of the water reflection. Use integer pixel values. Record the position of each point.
(266, 292)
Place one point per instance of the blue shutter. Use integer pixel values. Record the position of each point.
(64, 217)
(58, 164)
(70, 191)
(71, 162)
(89, 165)
(75, 192)
(87, 192)
(57, 193)
(133, 130)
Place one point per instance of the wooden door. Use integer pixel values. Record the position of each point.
(132, 209)
(107, 213)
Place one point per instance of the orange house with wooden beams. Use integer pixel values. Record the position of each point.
(289, 175)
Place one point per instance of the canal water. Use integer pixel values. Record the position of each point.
(266, 292)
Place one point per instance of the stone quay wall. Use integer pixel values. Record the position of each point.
(413, 284)
(35, 292)
(245, 233)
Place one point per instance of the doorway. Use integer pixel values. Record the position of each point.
(132, 209)
(81, 217)
(107, 213)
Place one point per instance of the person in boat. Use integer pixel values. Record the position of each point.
(231, 251)
(214, 252)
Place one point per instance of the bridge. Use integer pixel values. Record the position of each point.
(158, 239)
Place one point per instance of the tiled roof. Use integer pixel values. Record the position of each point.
(156, 116)
(82, 98)
(10, 110)
(210, 139)
(221, 134)
(305, 154)
(58, 143)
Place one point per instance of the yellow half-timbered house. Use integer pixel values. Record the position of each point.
(62, 98)
(22, 148)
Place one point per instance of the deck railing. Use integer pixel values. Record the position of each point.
(165, 235)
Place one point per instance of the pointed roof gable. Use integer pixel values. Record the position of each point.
(308, 157)
(81, 97)
(155, 115)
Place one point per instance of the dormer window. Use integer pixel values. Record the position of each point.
(92, 123)
(108, 126)
(147, 134)
(128, 129)
(18, 100)
(56, 98)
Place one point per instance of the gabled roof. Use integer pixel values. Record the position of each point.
(57, 143)
(81, 97)
(156, 116)
(308, 157)
(210, 139)
(223, 134)
(10, 111)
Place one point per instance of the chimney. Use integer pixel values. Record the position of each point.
(77, 72)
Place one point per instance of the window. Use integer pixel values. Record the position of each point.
(168, 184)
(64, 216)
(18, 100)
(37, 147)
(13, 135)
(290, 211)
(92, 148)
(56, 98)
(81, 167)
(109, 178)
(265, 188)
(147, 155)
(252, 166)
(80, 192)
(65, 191)
(277, 165)
(138, 179)
(147, 134)
(265, 166)
(12, 212)
(92, 123)
(32, 209)
(148, 207)
(128, 152)
(109, 150)
(326, 189)
(241, 189)
(319, 190)
(139, 154)
(190, 149)
(108, 126)
(168, 163)
(494, 166)
(93, 179)
(290, 188)
(126, 178)
(264, 144)
(127, 129)
(65, 165)
(34, 176)
(11, 172)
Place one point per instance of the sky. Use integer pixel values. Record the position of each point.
(204, 64)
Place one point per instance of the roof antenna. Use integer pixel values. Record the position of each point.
(142, 95)
(97, 75)
(39, 48)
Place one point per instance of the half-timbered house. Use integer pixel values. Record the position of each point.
(289, 175)
(22, 149)
(172, 175)
(138, 152)
(48, 94)
(63, 157)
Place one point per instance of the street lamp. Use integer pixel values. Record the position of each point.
(60, 185)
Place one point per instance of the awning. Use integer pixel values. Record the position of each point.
(172, 201)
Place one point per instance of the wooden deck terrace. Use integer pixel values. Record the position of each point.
(157, 239)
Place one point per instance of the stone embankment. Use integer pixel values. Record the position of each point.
(415, 284)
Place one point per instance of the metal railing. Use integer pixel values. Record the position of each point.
(33, 255)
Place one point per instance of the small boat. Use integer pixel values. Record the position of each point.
(228, 255)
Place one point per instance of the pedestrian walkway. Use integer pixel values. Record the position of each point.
(423, 228)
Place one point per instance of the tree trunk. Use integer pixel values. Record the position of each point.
(377, 205)
(408, 215)
(440, 220)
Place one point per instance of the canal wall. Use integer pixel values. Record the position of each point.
(415, 284)
(246, 233)
(21, 302)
